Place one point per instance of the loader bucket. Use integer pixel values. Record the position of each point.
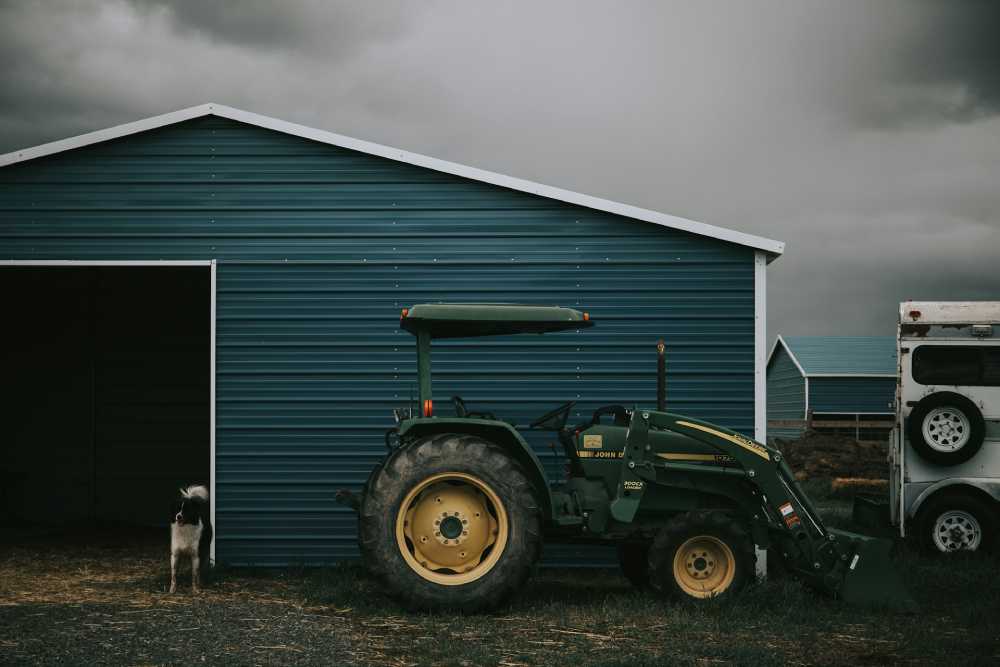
(871, 578)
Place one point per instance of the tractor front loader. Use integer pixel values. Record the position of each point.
(455, 516)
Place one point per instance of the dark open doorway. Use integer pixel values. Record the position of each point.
(107, 377)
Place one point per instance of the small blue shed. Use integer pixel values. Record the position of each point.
(214, 295)
(829, 378)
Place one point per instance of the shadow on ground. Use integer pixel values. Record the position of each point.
(99, 597)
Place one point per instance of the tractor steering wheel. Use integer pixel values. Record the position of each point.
(459, 406)
(562, 411)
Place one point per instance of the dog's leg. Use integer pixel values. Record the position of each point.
(195, 571)
(173, 572)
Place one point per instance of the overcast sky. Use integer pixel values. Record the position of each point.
(866, 135)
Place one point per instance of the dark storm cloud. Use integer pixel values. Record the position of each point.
(945, 69)
(71, 67)
(864, 134)
(321, 26)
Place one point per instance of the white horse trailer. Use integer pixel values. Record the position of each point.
(945, 450)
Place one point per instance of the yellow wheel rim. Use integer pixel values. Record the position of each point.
(452, 528)
(704, 566)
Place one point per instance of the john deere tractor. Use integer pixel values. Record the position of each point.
(455, 516)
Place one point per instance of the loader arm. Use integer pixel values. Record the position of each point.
(854, 567)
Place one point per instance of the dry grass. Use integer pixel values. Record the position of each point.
(108, 605)
(848, 486)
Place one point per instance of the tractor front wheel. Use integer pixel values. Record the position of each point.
(701, 555)
(450, 523)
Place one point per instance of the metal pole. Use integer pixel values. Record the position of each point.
(424, 370)
(661, 376)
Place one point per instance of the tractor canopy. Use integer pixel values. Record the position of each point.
(468, 320)
(429, 321)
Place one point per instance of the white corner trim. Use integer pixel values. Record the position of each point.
(760, 373)
(214, 489)
(805, 414)
(773, 248)
(760, 345)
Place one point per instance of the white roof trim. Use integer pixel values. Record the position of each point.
(852, 375)
(773, 248)
(791, 355)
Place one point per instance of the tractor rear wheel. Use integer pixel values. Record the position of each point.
(450, 522)
(633, 558)
(701, 555)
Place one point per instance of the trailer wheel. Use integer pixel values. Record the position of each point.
(633, 558)
(946, 428)
(450, 523)
(952, 522)
(701, 555)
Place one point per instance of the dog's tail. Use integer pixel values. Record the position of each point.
(195, 491)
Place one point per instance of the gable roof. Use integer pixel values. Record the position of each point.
(840, 356)
(772, 248)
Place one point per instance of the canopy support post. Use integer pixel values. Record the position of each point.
(424, 371)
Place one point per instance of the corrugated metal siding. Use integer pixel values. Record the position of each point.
(319, 248)
(847, 355)
(786, 393)
(852, 395)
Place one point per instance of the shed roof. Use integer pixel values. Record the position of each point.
(841, 356)
(772, 248)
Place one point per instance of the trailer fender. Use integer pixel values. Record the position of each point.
(500, 433)
(979, 487)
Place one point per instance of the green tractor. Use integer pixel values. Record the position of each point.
(455, 516)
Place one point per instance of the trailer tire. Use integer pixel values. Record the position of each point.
(701, 555)
(946, 428)
(493, 538)
(633, 558)
(952, 521)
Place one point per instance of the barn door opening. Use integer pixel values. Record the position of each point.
(107, 391)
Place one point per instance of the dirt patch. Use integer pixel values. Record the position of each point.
(82, 601)
(823, 455)
(100, 598)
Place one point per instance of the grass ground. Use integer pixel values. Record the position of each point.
(106, 604)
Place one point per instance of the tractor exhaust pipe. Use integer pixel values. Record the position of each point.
(661, 376)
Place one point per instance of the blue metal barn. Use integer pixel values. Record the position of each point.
(829, 376)
(217, 286)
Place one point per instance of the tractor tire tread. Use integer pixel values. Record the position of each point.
(449, 452)
(722, 525)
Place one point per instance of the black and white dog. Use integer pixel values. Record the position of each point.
(190, 533)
